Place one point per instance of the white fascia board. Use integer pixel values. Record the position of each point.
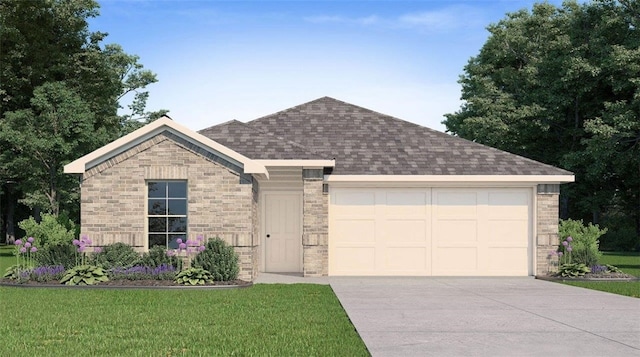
(531, 179)
(148, 131)
(307, 164)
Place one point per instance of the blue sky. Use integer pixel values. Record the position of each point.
(223, 60)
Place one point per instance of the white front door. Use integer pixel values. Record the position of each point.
(283, 236)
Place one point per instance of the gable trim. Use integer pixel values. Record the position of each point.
(147, 132)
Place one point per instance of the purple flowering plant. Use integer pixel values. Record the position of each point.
(82, 245)
(24, 250)
(564, 250)
(188, 249)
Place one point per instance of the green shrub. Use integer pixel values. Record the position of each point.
(219, 259)
(57, 254)
(17, 273)
(84, 275)
(50, 231)
(116, 255)
(194, 276)
(157, 256)
(584, 242)
(573, 270)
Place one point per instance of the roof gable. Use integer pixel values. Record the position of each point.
(159, 126)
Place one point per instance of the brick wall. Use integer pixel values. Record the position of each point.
(547, 232)
(113, 197)
(315, 227)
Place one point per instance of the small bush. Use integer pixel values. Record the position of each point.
(157, 256)
(573, 270)
(219, 259)
(194, 276)
(84, 275)
(50, 231)
(116, 255)
(584, 244)
(57, 254)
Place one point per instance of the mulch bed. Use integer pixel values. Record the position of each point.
(592, 277)
(140, 284)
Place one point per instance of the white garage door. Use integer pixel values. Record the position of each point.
(430, 231)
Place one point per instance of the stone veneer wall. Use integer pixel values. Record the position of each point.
(547, 218)
(113, 197)
(315, 224)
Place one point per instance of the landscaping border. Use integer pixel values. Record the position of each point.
(563, 279)
(129, 287)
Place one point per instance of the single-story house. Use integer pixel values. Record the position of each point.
(326, 188)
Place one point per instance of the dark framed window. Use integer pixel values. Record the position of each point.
(166, 212)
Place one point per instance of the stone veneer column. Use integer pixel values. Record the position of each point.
(315, 224)
(547, 218)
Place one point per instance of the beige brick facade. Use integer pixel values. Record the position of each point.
(547, 232)
(113, 197)
(315, 232)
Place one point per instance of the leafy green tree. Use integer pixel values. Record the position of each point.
(562, 85)
(60, 95)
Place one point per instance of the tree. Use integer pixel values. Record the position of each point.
(60, 93)
(561, 85)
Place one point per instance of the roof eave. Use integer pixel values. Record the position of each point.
(524, 179)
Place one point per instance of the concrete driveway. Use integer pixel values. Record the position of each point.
(488, 317)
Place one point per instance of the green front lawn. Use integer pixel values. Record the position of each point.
(628, 262)
(7, 258)
(263, 320)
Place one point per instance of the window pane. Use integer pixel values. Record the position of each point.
(157, 239)
(177, 207)
(177, 189)
(157, 207)
(157, 189)
(157, 224)
(177, 224)
(173, 244)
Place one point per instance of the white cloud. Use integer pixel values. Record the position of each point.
(440, 20)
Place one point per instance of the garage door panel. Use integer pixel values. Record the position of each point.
(455, 232)
(507, 261)
(405, 259)
(354, 203)
(508, 204)
(403, 204)
(355, 260)
(356, 230)
(456, 204)
(406, 230)
(504, 232)
(456, 261)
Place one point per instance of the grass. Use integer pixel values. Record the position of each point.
(273, 320)
(262, 320)
(628, 262)
(7, 258)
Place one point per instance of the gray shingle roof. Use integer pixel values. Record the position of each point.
(255, 143)
(364, 142)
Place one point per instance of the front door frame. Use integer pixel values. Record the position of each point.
(263, 218)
